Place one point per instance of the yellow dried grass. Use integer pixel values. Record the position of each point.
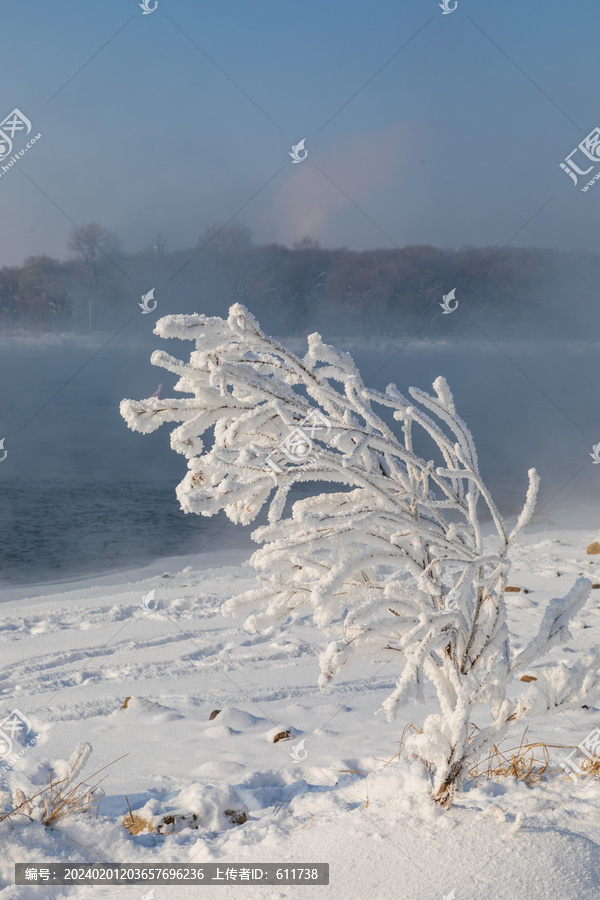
(529, 761)
(58, 801)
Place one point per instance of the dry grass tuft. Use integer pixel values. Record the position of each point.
(59, 799)
(528, 762)
(136, 824)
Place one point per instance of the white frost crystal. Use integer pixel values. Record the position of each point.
(392, 564)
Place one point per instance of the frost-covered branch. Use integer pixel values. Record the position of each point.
(392, 561)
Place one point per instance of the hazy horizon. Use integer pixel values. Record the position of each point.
(421, 128)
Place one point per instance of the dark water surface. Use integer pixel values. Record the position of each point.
(83, 494)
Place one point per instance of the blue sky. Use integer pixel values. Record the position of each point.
(421, 128)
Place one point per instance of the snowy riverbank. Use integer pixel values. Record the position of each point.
(72, 653)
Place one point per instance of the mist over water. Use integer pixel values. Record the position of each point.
(83, 494)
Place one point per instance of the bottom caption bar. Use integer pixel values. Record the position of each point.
(180, 873)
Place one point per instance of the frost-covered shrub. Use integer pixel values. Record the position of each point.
(396, 563)
(59, 798)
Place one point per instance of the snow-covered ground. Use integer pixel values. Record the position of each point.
(73, 652)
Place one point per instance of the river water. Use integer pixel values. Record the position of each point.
(83, 494)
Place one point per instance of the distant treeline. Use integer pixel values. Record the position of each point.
(519, 292)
